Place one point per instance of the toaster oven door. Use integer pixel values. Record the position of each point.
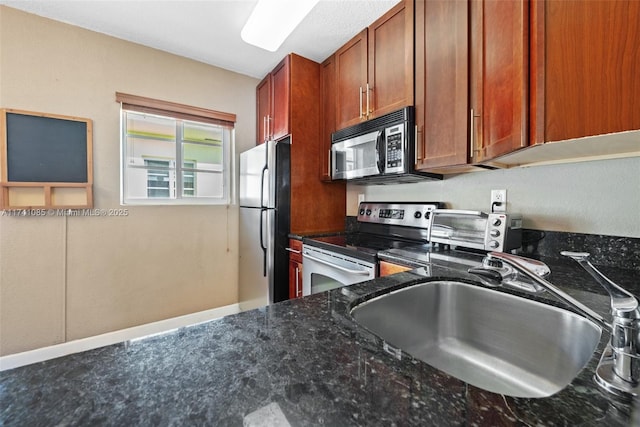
(356, 157)
(459, 228)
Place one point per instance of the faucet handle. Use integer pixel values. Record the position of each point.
(577, 256)
(538, 267)
(623, 303)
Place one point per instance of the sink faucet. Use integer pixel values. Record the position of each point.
(619, 368)
(624, 355)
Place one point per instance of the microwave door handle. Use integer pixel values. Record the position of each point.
(380, 155)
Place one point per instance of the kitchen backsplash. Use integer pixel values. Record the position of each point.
(606, 251)
(609, 251)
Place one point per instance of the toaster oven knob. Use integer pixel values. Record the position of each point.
(417, 215)
(362, 211)
(494, 233)
(368, 212)
(494, 244)
(496, 222)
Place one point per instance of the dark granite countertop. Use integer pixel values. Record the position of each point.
(304, 360)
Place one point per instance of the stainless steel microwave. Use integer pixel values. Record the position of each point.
(381, 150)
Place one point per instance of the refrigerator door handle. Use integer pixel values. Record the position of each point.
(262, 246)
(264, 170)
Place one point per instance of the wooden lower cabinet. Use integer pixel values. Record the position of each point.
(388, 268)
(295, 268)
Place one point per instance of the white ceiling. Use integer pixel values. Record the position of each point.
(209, 30)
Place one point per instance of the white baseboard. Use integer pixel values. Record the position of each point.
(45, 353)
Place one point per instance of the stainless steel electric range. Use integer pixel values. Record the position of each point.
(334, 261)
(406, 232)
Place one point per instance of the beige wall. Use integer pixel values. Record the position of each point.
(595, 197)
(64, 278)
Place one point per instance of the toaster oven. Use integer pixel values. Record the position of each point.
(476, 230)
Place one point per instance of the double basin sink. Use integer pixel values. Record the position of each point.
(490, 339)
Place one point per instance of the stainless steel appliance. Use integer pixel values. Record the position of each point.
(476, 230)
(381, 150)
(339, 260)
(324, 270)
(264, 198)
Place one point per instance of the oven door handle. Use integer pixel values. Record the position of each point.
(346, 270)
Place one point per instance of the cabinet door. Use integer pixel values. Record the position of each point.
(390, 73)
(587, 68)
(351, 81)
(499, 76)
(442, 63)
(281, 96)
(295, 279)
(263, 109)
(295, 268)
(327, 115)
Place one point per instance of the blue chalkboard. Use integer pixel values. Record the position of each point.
(46, 149)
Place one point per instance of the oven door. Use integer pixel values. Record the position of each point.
(356, 157)
(324, 270)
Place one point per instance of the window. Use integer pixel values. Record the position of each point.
(174, 158)
(159, 179)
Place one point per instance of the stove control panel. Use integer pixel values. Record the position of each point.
(404, 214)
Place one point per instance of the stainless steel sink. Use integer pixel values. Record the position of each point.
(499, 342)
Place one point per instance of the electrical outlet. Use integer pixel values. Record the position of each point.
(498, 200)
(360, 198)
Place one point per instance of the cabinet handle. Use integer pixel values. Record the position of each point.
(416, 143)
(297, 282)
(472, 138)
(264, 128)
(471, 120)
(329, 164)
(293, 250)
(269, 127)
(368, 110)
(360, 95)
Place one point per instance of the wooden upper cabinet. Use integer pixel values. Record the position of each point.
(281, 96)
(538, 72)
(272, 98)
(442, 83)
(586, 68)
(390, 72)
(263, 108)
(295, 111)
(471, 81)
(327, 115)
(374, 70)
(499, 77)
(351, 81)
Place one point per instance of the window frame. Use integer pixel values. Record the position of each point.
(181, 114)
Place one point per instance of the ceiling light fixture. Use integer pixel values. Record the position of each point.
(272, 21)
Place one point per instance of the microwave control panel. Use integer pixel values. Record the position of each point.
(394, 149)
